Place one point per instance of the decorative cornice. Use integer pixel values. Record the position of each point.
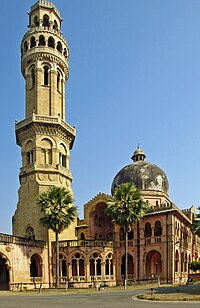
(45, 53)
(32, 128)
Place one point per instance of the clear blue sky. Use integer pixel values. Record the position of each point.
(134, 77)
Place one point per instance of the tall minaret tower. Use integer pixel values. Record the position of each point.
(44, 136)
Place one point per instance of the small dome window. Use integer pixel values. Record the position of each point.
(45, 21)
(33, 42)
(59, 47)
(42, 41)
(51, 42)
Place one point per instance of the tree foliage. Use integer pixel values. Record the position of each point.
(57, 206)
(126, 206)
(194, 266)
(196, 223)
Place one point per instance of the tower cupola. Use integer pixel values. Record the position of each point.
(138, 155)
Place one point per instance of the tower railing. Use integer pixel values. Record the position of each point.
(45, 119)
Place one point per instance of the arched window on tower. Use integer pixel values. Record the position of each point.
(36, 21)
(45, 21)
(33, 42)
(30, 233)
(27, 156)
(59, 47)
(55, 25)
(25, 46)
(46, 75)
(65, 53)
(63, 155)
(41, 41)
(32, 77)
(58, 81)
(51, 42)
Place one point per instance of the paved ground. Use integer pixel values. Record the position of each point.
(122, 299)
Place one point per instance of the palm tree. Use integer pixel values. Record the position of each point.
(196, 223)
(57, 205)
(126, 207)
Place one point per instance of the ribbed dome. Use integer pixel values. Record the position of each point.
(145, 175)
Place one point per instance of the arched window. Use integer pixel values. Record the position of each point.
(55, 25)
(58, 81)
(109, 264)
(36, 21)
(4, 273)
(65, 53)
(158, 228)
(148, 230)
(45, 21)
(121, 234)
(63, 266)
(177, 261)
(32, 77)
(35, 266)
(182, 262)
(63, 155)
(78, 265)
(28, 153)
(25, 46)
(30, 233)
(33, 42)
(130, 235)
(46, 75)
(51, 42)
(109, 236)
(59, 47)
(46, 149)
(82, 236)
(130, 265)
(42, 41)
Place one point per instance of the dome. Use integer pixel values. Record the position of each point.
(145, 175)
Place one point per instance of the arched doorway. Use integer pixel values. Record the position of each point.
(35, 266)
(153, 263)
(4, 273)
(130, 266)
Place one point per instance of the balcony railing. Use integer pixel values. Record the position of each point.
(10, 239)
(85, 243)
(45, 119)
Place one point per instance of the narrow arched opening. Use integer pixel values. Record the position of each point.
(35, 266)
(4, 273)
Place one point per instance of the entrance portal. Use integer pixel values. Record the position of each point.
(4, 274)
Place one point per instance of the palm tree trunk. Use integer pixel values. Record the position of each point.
(126, 258)
(57, 262)
(138, 250)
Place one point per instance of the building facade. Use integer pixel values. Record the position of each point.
(160, 246)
